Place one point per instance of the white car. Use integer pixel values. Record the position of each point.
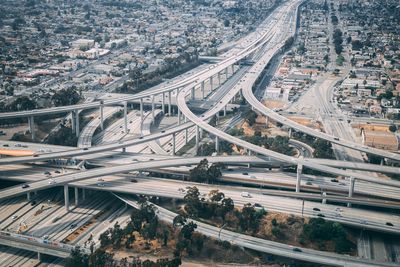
(52, 181)
(245, 194)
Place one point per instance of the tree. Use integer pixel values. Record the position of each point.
(226, 23)
(393, 128)
(77, 258)
(250, 117)
(65, 97)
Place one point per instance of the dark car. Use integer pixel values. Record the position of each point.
(316, 209)
(133, 180)
(245, 173)
(334, 180)
(25, 186)
(33, 203)
(321, 215)
(297, 250)
(72, 226)
(389, 224)
(6, 145)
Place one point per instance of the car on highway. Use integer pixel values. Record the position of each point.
(316, 209)
(258, 205)
(72, 226)
(6, 145)
(57, 171)
(334, 180)
(45, 237)
(33, 203)
(181, 190)
(389, 224)
(14, 217)
(25, 186)
(101, 184)
(297, 250)
(47, 173)
(52, 181)
(321, 215)
(245, 194)
(245, 173)
(134, 181)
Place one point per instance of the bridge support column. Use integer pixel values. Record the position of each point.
(141, 110)
(72, 122)
(216, 144)
(197, 138)
(66, 197)
(77, 123)
(169, 103)
(126, 117)
(83, 194)
(202, 89)
(219, 78)
(351, 189)
(152, 107)
(211, 83)
(226, 73)
(179, 116)
(224, 110)
(298, 180)
(324, 199)
(186, 133)
(76, 196)
(39, 256)
(290, 132)
(163, 102)
(266, 120)
(173, 144)
(101, 115)
(193, 97)
(233, 68)
(31, 123)
(28, 196)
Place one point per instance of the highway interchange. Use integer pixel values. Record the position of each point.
(261, 46)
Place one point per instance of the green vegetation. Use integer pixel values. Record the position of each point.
(279, 143)
(250, 117)
(339, 60)
(65, 97)
(318, 230)
(204, 173)
(219, 208)
(63, 137)
(337, 41)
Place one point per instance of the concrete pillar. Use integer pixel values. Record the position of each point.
(152, 107)
(101, 116)
(233, 69)
(126, 117)
(224, 110)
(28, 196)
(219, 78)
(266, 120)
(324, 199)
(83, 194)
(39, 256)
(66, 197)
(76, 196)
(186, 133)
(31, 123)
(226, 73)
(202, 89)
(211, 83)
(179, 116)
(351, 189)
(169, 103)
(298, 180)
(193, 97)
(173, 144)
(141, 109)
(197, 137)
(77, 123)
(163, 102)
(216, 144)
